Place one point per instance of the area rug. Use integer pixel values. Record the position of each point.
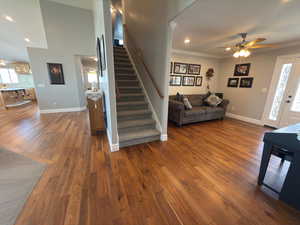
(18, 176)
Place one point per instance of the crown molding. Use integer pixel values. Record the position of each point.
(199, 54)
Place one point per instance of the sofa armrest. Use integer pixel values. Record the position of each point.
(176, 105)
(176, 111)
(224, 104)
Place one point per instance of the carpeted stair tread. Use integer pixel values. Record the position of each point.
(132, 103)
(128, 136)
(135, 123)
(134, 112)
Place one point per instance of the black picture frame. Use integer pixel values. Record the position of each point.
(233, 82)
(180, 68)
(103, 55)
(171, 68)
(56, 74)
(194, 69)
(99, 58)
(175, 80)
(242, 69)
(188, 81)
(199, 81)
(246, 82)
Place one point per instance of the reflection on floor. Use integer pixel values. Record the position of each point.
(206, 173)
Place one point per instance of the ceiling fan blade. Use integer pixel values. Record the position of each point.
(264, 46)
(251, 43)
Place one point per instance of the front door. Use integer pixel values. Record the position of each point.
(283, 104)
(291, 102)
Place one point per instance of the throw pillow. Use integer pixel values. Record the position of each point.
(187, 103)
(213, 100)
(179, 97)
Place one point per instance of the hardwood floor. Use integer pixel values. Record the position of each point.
(205, 174)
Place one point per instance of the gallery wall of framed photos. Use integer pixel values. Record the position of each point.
(241, 78)
(187, 74)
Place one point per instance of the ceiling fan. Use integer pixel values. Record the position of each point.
(241, 49)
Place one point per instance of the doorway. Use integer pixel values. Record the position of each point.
(283, 103)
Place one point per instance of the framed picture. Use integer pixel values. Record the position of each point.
(99, 58)
(246, 82)
(175, 80)
(188, 81)
(194, 69)
(103, 56)
(199, 81)
(56, 73)
(242, 69)
(233, 82)
(171, 68)
(180, 68)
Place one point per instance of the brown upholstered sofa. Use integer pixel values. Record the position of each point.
(201, 111)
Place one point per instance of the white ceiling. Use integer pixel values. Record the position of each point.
(28, 24)
(85, 4)
(210, 24)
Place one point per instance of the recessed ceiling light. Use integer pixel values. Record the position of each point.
(9, 18)
(187, 41)
(27, 39)
(228, 49)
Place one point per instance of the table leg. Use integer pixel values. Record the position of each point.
(291, 186)
(264, 162)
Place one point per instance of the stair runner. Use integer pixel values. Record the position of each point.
(135, 122)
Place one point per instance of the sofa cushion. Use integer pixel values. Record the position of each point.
(197, 110)
(210, 109)
(196, 100)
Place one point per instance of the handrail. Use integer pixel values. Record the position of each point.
(138, 55)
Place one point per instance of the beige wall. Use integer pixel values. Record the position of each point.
(250, 102)
(205, 63)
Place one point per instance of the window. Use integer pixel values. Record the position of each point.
(296, 102)
(284, 77)
(92, 77)
(8, 76)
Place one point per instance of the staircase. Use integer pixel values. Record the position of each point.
(135, 122)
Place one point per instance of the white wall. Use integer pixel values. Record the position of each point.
(103, 26)
(205, 63)
(69, 32)
(250, 102)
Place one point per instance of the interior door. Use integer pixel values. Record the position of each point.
(291, 100)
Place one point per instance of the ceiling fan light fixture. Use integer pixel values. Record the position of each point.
(247, 53)
(236, 54)
(227, 49)
(243, 52)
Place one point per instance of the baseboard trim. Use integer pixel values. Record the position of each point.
(113, 147)
(74, 109)
(164, 137)
(245, 119)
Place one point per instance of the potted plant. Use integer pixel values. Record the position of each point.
(209, 74)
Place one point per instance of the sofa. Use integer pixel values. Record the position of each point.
(200, 111)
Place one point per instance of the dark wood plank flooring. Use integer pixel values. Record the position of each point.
(205, 174)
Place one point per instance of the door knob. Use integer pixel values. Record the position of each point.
(288, 101)
(290, 96)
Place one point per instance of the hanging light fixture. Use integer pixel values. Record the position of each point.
(242, 53)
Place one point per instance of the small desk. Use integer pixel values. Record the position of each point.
(284, 138)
